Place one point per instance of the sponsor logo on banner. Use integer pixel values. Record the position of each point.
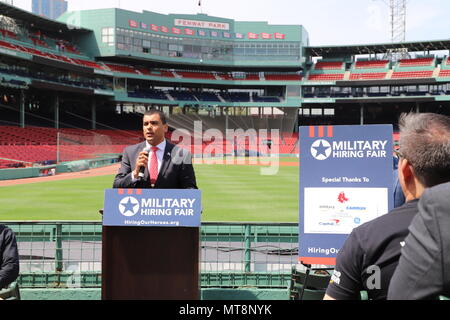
(331, 222)
(154, 27)
(342, 198)
(279, 35)
(252, 35)
(133, 24)
(266, 35)
(202, 24)
(176, 30)
(226, 35)
(339, 210)
(164, 29)
(144, 25)
(327, 147)
(239, 35)
(214, 33)
(189, 32)
(202, 33)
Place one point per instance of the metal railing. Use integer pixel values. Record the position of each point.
(68, 253)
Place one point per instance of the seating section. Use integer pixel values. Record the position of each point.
(24, 146)
(39, 42)
(412, 74)
(368, 76)
(207, 96)
(331, 65)
(201, 96)
(444, 73)
(225, 76)
(182, 95)
(6, 33)
(372, 64)
(235, 96)
(420, 62)
(48, 55)
(148, 94)
(121, 68)
(252, 77)
(38, 144)
(326, 77)
(196, 75)
(89, 64)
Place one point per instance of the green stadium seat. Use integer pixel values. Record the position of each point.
(364, 295)
(11, 292)
(316, 285)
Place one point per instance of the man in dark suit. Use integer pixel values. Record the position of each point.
(9, 257)
(423, 271)
(164, 165)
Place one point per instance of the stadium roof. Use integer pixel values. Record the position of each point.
(378, 48)
(38, 21)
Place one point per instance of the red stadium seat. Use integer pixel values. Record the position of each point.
(121, 68)
(372, 64)
(323, 65)
(420, 62)
(326, 77)
(412, 74)
(444, 73)
(368, 76)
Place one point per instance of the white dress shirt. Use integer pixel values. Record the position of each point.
(159, 155)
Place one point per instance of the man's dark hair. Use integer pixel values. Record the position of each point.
(162, 116)
(425, 143)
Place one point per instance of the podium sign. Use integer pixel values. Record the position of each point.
(152, 207)
(151, 244)
(346, 179)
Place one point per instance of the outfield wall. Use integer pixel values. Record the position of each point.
(205, 294)
(72, 166)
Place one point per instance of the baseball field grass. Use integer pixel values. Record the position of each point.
(229, 193)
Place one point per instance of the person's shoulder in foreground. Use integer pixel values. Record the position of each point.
(370, 248)
(370, 255)
(423, 271)
(9, 257)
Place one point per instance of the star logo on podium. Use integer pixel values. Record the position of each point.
(321, 149)
(129, 206)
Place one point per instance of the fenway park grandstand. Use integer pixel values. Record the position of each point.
(76, 88)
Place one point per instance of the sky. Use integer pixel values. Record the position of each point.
(328, 22)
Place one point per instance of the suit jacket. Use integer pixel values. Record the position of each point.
(176, 170)
(423, 271)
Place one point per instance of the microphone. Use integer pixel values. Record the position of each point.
(142, 169)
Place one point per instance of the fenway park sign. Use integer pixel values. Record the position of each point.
(202, 24)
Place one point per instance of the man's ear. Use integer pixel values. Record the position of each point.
(406, 170)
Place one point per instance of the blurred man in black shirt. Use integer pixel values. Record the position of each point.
(368, 258)
(9, 257)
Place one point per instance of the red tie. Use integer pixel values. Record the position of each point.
(153, 167)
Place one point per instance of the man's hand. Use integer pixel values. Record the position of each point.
(142, 161)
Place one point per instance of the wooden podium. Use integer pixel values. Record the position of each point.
(150, 263)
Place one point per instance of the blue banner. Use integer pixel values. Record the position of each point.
(346, 179)
(152, 207)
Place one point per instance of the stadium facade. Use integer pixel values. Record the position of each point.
(100, 69)
(76, 88)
